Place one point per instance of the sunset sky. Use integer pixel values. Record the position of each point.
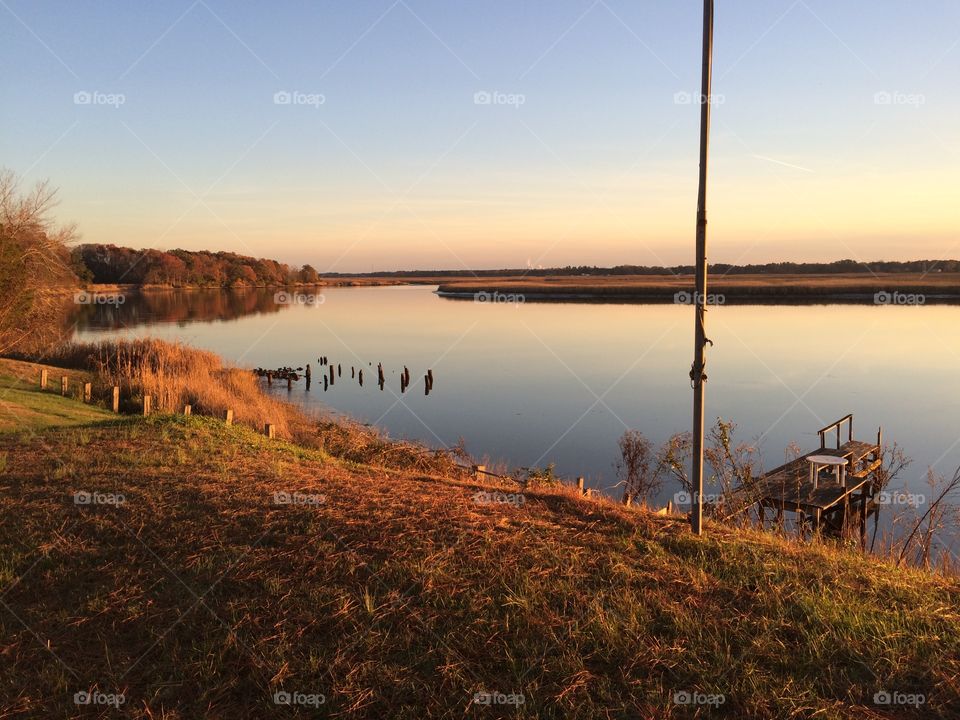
(447, 134)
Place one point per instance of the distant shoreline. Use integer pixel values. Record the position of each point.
(891, 289)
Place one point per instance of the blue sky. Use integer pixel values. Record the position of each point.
(835, 132)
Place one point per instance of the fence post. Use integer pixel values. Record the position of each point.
(269, 430)
(87, 391)
(64, 383)
(187, 409)
(478, 471)
(116, 398)
(229, 418)
(147, 405)
(43, 379)
(580, 486)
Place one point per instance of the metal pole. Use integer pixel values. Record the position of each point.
(697, 375)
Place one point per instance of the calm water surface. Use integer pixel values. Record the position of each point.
(541, 383)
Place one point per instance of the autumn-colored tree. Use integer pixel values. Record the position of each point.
(34, 263)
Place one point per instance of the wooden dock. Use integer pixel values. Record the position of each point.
(825, 502)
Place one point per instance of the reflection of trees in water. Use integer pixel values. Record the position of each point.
(175, 306)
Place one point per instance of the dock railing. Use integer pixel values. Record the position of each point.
(838, 427)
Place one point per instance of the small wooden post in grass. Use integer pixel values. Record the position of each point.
(64, 383)
(627, 499)
(188, 409)
(479, 471)
(87, 391)
(116, 398)
(147, 405)
(580, 486)
(229, 418)
(43, 379)
(269, 430)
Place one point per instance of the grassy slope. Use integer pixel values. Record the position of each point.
(400, 597)
(23, 406)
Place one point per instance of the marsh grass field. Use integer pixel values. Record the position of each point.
(785, 287)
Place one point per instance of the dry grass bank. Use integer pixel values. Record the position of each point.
(396, 593)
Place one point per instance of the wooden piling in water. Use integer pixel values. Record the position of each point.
(87, 391)
(147, 405)
(116, 399)
(229, 417)
(353, 372)
(360, 377)
(43, 379)
(426, 385)
(331, 374)
(64, 383)
(430, 378)
(339, 370)
(325, 383)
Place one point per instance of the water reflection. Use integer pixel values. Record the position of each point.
(181, 307)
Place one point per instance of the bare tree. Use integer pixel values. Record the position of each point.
(673, 459)
(34, 262)
(940, 513)
(735, 468)
(639, 479)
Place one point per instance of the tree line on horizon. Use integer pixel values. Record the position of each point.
(846, 266)
(110, 264)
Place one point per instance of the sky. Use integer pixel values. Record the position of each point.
(362, 135)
